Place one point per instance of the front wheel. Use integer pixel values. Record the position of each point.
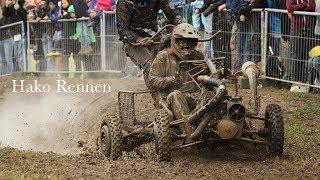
(111, 137)
(275, 128)
(161, 130)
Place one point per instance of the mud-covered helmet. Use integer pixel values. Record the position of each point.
(315, 52)
(184, 39)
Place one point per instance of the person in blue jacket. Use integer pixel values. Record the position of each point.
(54, 10)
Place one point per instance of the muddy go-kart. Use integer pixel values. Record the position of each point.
(220, 117)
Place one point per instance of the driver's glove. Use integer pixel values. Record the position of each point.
(146, 41)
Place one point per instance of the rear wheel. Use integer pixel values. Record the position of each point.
(161, 130)
(111, 137)
(275, 129)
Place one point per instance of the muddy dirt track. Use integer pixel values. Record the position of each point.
(61, 130)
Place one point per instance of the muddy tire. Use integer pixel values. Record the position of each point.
(111, 137)
(275, 130)
(161, 130)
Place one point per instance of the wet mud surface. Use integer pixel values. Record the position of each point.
(58, 133)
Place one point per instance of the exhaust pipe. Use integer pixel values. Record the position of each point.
(211, 105)
(211, 81)
(201, 127)
(249, 69)
(207, 110)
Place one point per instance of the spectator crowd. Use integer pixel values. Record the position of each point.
(290, 36)
(53, 39)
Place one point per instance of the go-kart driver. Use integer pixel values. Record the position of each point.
(163, 77)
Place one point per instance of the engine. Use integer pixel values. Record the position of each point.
(231, 127)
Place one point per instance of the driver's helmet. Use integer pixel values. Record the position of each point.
(184, 40)
(314, 52)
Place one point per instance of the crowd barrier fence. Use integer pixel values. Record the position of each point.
(279, 42)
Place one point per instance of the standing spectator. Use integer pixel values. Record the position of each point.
(285, 20)
(29, 5)
(244, 27)
(188, 11)
(273, 64)
(228, 7)
(81, 10)
(41, 10)
(314, 54)
(72, 44)
(65, 42)
(210, 20)
(54, 10)
(282, 62)
(274, 27)
(314, 68)
(43, 32)
(196, 16)
(301, 34)
(221, 42)
(19, 40)
(64, 9)
(179, 7)
(84, 33)
(110, 30)
(96, 8)
(54, 15)
(12, 12)
(7, 41)
(207, 20)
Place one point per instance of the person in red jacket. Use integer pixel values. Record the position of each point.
(302, 28)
